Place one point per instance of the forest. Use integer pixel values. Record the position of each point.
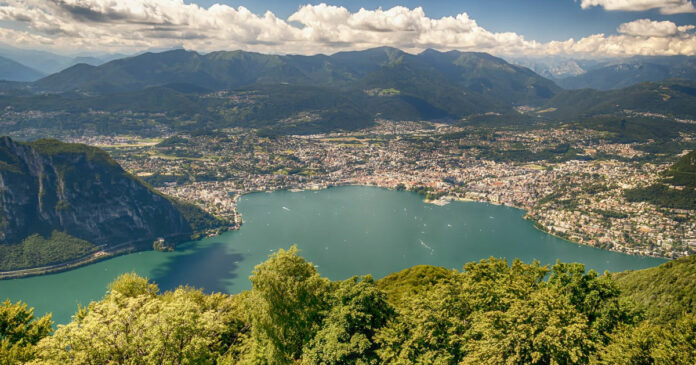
(490, 312)
(36, 250)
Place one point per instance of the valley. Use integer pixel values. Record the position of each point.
(206, 129)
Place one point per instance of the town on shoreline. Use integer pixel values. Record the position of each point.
(570, 181)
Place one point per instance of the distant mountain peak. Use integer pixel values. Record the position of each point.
(11, 70)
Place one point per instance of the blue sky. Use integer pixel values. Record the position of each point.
(576, 28)
(542, 20)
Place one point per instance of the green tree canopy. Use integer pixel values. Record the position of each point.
(132, 325)
(289, 301)
(491, 312)
(358, 312)
(20, 331)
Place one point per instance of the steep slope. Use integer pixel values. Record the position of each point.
(48, 186)
(15, 71)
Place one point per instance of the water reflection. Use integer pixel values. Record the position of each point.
(207, 267)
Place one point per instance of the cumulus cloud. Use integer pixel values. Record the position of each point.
(665, 6)
(649, 28)
(400, 27)
(133, 25)
(639, 37)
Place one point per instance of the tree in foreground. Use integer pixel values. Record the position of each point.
(428, 329)
(347, 336)
(545, 329)
(134, 325)
(491, 312)
(288, 303)
(648, 343)
(20, 331)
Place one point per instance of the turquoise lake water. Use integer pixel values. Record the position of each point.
(345, 231)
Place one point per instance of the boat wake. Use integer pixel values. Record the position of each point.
(426, 246)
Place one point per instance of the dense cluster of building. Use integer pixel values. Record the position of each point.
(567, 191)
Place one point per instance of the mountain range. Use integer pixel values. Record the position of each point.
(457, 73)
(676, 97)
(568, 73)
(308, 94)
(185, 90)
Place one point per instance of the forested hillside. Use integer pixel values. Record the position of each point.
(184, 91)
(490, 312)
(427, 73)
(676, 190)
(63, 201)
(671, 98)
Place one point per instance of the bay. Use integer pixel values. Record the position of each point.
(344, 231)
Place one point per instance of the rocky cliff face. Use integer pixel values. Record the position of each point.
(48, 185)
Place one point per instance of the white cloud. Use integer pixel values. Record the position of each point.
(400, 27)
(639, 37)
(649, 28)
(665, 6)
(133, 25)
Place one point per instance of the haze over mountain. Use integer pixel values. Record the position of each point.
(48, 63)
(622, 73)
(554, 68)
(15, 71)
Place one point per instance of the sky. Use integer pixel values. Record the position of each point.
(578, 28)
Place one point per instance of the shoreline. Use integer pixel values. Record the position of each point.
(62, 267)
(442, 201)
(447, 199)
(92, 258)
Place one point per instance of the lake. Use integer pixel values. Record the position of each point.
(344, 231)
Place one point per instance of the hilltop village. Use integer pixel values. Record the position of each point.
(570, 181)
